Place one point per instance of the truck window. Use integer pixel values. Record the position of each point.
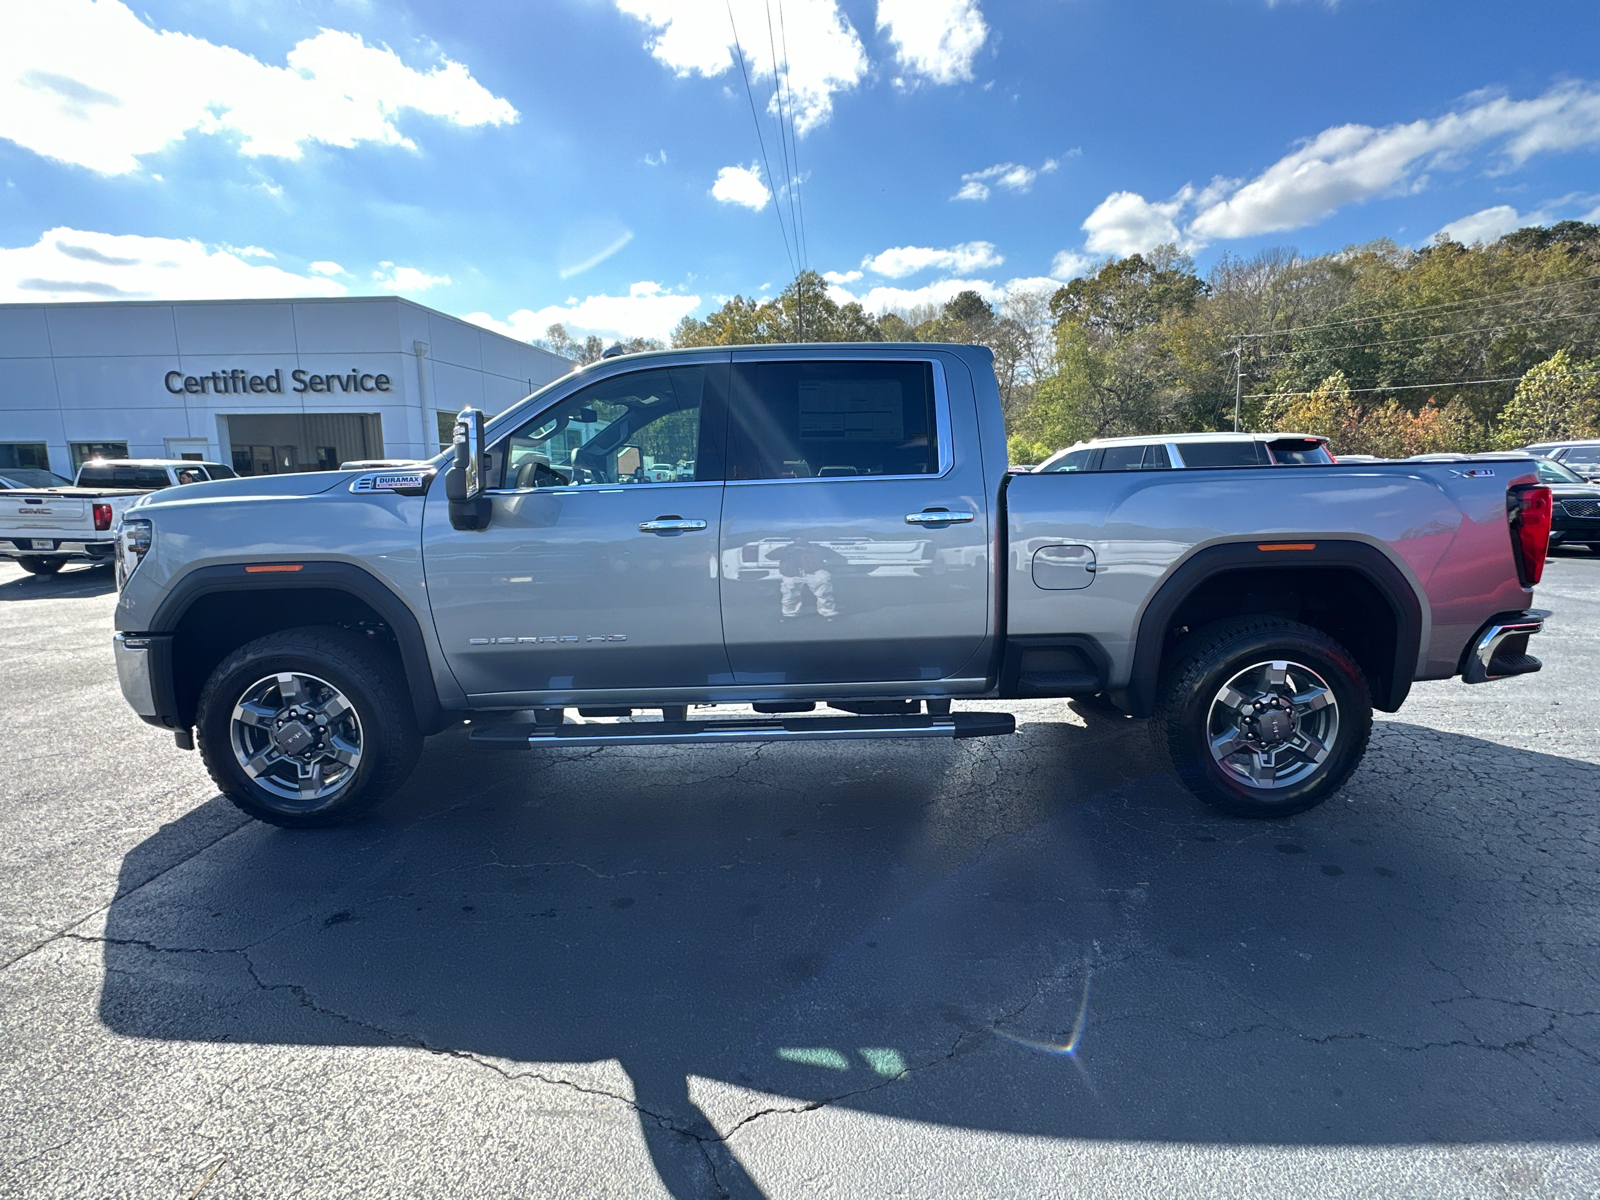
(802, 420)
(639, 428)
(1221, 454)
(148, 478)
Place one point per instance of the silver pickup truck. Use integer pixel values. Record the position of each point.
(838, 530)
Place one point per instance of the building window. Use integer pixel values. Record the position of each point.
(447, 429)
(82, 452)
(28, 455)
(278, 443)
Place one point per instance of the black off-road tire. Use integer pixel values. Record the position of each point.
(1207, 659)
(35, 565)
(370, 679)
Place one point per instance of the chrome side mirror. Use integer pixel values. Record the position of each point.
(464, 482)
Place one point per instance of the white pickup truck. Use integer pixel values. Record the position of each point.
(43, 530)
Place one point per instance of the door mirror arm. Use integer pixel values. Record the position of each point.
(469, 467)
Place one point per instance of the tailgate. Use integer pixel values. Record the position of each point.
(41, 514)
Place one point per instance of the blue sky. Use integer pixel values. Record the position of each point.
(596, 161)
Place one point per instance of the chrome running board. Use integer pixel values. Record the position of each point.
(743, 729)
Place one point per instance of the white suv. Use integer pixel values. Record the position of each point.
(1163, 451)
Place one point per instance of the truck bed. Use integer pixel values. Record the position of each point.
(1440, 525)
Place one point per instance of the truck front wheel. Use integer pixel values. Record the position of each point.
(37, 565)
(1263, 717)
(307, 727)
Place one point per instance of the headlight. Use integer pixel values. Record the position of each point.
(134, 537)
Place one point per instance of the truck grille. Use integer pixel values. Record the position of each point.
(1582, 508)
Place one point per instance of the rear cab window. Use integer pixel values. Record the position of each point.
(827, 419)
(147, 478)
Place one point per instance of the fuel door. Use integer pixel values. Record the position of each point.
(1063, 568)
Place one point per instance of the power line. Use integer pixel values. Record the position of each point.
(779, 71)
(777, 209)
(794, 139)
(1401, 387)
(1496, 299)
(1428, 337)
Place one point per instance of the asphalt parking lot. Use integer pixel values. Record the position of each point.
(1029, 966)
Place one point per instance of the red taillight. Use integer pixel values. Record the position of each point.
(102, 516)
(1531, 510)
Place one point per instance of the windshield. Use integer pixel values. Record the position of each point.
(1554, 472)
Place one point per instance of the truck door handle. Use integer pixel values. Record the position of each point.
(670, 525)
(939, 516)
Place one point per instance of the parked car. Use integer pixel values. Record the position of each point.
(43, 529)
(149, 474)
(1163, 451)
(1576, 520)
(31, 477)
(1583, 457)
(308, 631)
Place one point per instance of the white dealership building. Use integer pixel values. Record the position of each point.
(266, 386)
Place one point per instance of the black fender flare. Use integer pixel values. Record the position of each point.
(1365, 559)
(335, 576)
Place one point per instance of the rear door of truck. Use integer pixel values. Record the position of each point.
(38, 520)
(856, 527)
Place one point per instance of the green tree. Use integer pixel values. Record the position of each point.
(1556, 400)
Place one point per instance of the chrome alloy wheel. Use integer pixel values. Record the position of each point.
(1272, 725)
(296, 736)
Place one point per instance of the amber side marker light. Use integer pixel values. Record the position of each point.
(1288, 546)
(269, 568)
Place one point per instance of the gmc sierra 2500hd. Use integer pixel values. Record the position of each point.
(789, 526)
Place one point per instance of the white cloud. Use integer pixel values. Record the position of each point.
(324, 267)
(695, 37)
(1126, 223)
(249, 251)
(1012, 176)
(884, 299)
(89, 83)
(405, 279)
(935, 40)
(77, 264)
(900, 261)
(743, 186)
(648, 310)
(1592, 216)
(1353, 163)
(656, 160)
(1068, 264)
(1489, 225)
(841, 277)
(597, 257)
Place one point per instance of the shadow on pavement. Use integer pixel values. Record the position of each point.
(70, 582)
(923, 932)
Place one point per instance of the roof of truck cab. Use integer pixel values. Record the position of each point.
(148, 462)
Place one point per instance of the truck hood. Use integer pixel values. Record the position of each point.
(254, 487)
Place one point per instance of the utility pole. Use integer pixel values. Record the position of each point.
(1238, 378)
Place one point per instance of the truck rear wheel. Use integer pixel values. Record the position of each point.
(307, 727)
(35, 565)
(1263, 717)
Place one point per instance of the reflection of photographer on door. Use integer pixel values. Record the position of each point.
(804, 566)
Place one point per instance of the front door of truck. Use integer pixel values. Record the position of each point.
(855, 538)
(598, 569)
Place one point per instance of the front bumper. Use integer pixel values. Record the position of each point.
(1500, 648)
(144, 671)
